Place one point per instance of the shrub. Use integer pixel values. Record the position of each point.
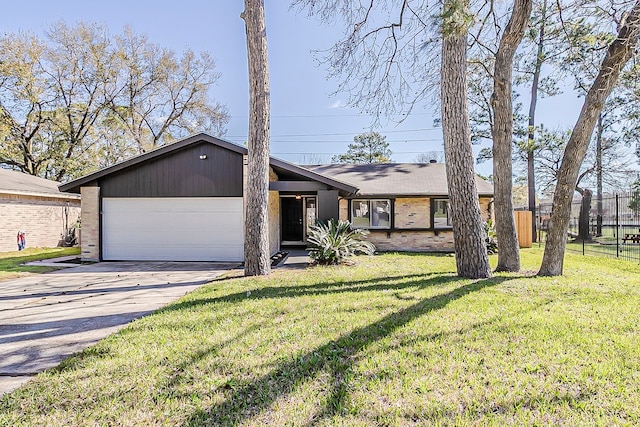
(490, 237)
(334, 242)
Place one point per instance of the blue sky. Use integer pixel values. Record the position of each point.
(306, 119)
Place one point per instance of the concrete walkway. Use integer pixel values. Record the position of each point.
(48, 317)
(297, 259)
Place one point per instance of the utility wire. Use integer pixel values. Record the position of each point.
(337, 134)
(327, 153)
(324, 141)
(329, 115)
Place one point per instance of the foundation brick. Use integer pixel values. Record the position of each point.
(412, 241)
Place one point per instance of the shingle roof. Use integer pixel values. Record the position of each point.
(13, 182)
(406, 179)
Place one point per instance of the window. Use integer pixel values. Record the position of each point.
(371, 213)
(310, 208)
(441, 213)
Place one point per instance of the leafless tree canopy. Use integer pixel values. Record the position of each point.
(388, 57)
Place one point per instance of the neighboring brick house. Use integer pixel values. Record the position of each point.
(405, 206)
(35, 206)
(185, 202)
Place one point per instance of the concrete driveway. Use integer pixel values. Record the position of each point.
(48, 317)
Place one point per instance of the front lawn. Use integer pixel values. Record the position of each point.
(396, 340)
(10, 262)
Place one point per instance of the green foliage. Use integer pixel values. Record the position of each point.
(634, 203)
(334, 242)
(366, 148)
(456, 17)
(79, 99)
(490, 237)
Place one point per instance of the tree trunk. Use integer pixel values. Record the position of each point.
(618, 54)
(531, 174)
(502, 134)
(468, 233)
(583, 220)
(599, 177)
(256, 235)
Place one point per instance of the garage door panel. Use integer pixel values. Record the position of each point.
(176, 253)
(180, 229)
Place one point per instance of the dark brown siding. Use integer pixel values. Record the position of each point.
(180, 174)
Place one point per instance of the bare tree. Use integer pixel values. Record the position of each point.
(382, 61)
(618, 54)
(604, 164)
(430, 156)
(24, 102)
(84, 80)
(79, 99)
(160, 96)
(502, 133)
(256, 235)
(468, 232)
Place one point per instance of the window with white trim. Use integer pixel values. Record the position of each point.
(371, 213)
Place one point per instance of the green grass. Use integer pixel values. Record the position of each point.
(10, 262)
(396, 340)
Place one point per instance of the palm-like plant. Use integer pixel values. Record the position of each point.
(335, 241)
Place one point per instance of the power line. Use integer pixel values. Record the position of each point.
(336, 134)
(324, 141)
(324, 153)
(285, 116)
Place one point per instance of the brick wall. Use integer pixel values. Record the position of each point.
(41, 218)
(343, 209)
(418, 241)
(414, 212)
(90, 223)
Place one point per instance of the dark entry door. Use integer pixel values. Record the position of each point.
(292, 224)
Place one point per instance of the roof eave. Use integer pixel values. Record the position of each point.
(345, 188)
(77, 183)
(60, 195)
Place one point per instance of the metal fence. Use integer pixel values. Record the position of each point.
(612, 228)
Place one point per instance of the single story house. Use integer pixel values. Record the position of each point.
(37, 207)
(403, 205)
(185, 202)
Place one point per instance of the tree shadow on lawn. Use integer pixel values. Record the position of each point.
(336, 357)
(324, 288)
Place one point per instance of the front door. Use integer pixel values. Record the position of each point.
(292, 220)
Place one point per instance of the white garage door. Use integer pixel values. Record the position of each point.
(172, 229)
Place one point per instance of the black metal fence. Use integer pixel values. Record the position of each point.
(611, 229)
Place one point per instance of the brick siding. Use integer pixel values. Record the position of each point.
(90, 223)
(41, 218)
(412, 241)
(414, 212)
